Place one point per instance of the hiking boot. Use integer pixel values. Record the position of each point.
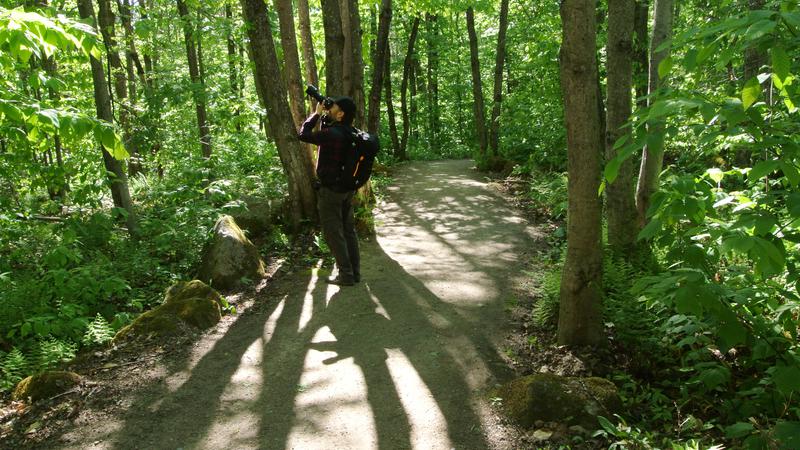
(357, 277)
(341, 281)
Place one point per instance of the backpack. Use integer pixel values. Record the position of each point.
(357, 164)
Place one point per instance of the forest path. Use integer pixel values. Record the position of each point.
(402, 360)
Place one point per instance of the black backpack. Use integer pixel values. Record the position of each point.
(358, 160)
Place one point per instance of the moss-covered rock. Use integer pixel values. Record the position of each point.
(553, 398)
(192, 303)
(45, 385)
(229, 256)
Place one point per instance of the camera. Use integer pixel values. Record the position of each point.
(316, 95)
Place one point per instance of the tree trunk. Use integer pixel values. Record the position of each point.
(477, 90)
(379, 64)
(432, 37)
(272, 92)
(134, 67)
(620, 204)
(309, 60)
(494, 125)
(754, 60)
(580, 319)
(198, 88)
(334, 47)
(353, 61)
(640, 51)
(407, 71)
(117, 179)
(233, 73)
(653, 155)
(387, 80)
(291, 60)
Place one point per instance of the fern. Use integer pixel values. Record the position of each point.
(545, 311)
(15, 367)
(98, 332)
(51, 352)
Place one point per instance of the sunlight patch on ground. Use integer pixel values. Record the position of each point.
(428, 424)
(331, 404)
(232, 430)
(308, 299)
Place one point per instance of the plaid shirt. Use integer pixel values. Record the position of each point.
(332, 142)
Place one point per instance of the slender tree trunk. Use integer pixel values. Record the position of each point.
(387, 80)
(580, 319)
(620, 204)
(477, 90)
(233, 73)
(494, 125)
(754, 60)
(198, 88)
(118, 180)
(432, 37)
(379, 64)
(291, 60)
(309, 58)
(334, 47)
(272, 92)
(407, 71)
(133, 67)
(640, 60)
(353, 61)
(653, 155)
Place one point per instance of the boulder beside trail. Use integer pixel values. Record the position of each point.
(229, 256)
(259, 215)
(191, 303)
(45, 385)
(553, 398)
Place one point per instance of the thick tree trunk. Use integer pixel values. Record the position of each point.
(477, 90)
(309, 59)
(334, 47)
(653, 155)
(272, 92)
(620, 204)
(291, 60)
(117, 179)
(640, 18)
(198, 88)
(432, 38)
(353, 61)
(580, 319)
(404, 84)
(379, 64)
(494, 125)
(387, 81)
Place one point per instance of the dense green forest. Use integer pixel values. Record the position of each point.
(660, 137)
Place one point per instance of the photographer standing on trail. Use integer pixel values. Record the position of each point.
(335, 203)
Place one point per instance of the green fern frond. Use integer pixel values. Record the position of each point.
(98, 332)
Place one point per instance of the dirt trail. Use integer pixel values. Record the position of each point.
(402, 360)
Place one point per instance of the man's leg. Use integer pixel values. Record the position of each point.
(330, 217)
(350, 236)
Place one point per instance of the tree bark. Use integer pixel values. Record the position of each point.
(653, 155)
(353, 69)
(641, 13)
(407, 70)
(309, 58)
(580, 319)
(134, 68)
(379, 64)
(233, 73)
(754, 60)
(494, 125)
(432, 38)
(291, 60)
(198, 88)
(477, 90)
(272, 92)
(117, 179)
(334, 47)
(620, 204)
(387, 80)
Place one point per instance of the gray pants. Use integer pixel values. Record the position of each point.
(339, 229)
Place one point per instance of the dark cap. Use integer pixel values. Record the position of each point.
(346, 104)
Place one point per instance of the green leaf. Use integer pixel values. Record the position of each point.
(788, 434)
(715, 174)
(738, 430)
(650, 230)
(786, 378)
(664, 67)
(781, 65)
(612, 169)
(50, 116)
(759, 29)
(607, 425)
(750, 92)
(791, 173)
(762, 168)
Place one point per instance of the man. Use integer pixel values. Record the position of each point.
(334, 203)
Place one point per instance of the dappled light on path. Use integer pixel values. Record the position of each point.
(402, 360)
